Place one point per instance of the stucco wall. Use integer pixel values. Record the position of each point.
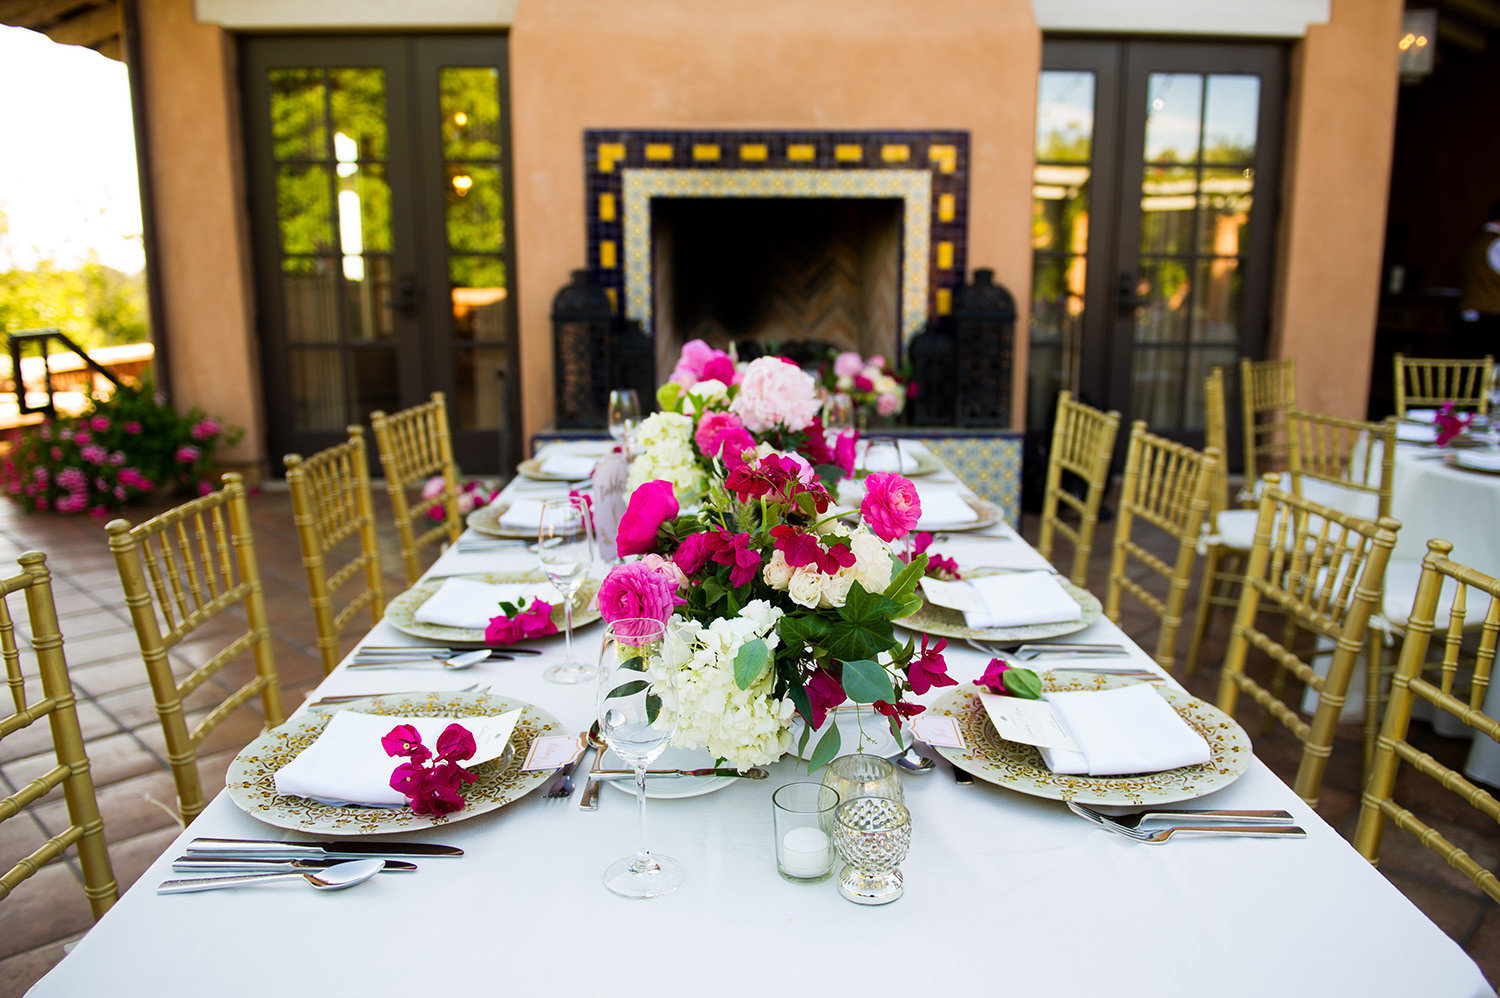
(203, 260)
(577, 64)
(1340, 125)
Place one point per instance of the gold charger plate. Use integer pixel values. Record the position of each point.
(486, 520)
(1020, 767)
(1458, 461)
(401, 612)
(532, 468)
(251, 777)
(942, 622)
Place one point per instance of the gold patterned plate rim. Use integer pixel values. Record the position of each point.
(942, 622)
(1019, 767)
(532, 468)
(1457, 461)
(251, 776)
(401, 611)
(486, 520)
(989, 515)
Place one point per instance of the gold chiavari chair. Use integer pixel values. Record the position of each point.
(1268, 388)
(180, 570)
(1411, 686)
(58, 707)
(1083, 439)
(1166, 487)
(1322, 569)
(415, 444)
(331, 503)
(1430, 383)
(1228, 533)
(1348, 464)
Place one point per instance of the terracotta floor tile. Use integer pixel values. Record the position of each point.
(47, 907)
(111, 759)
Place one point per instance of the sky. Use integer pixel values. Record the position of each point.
(67, 156)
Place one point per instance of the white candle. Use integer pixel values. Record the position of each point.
(804, 852)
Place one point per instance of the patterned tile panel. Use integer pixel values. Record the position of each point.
(988, 464)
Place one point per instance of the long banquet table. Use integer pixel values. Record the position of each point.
(1006, 894)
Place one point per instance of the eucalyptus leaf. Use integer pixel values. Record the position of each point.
(635, 663)
(828, 748)
(750, 662)
(627, 689)
(865, 682)
(653, 707)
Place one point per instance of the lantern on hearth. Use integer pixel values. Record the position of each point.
(581, 321)
(984, 328)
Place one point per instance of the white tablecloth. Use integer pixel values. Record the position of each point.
(1006, 894)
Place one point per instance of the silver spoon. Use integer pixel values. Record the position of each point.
(467, 660)
(914, 762)
(335, 878)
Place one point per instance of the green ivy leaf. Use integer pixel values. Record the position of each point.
(1022, 683)
(750, 662)
(865, 682)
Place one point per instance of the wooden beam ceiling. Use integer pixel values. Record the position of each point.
(94, 24)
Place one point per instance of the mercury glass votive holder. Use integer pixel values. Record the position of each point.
(872, 836)
(862, 775)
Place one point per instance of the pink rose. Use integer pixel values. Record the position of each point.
(774, 392)
(635, 592)
(888, 405)
(665, 567)
(651, 505)
(695, 362)
(891, 506)
(847, 364)
(720, 368)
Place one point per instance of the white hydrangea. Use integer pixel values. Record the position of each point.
(746, 727)
(663, 449)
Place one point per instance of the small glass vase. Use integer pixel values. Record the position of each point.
(861, 775)
(872, 835)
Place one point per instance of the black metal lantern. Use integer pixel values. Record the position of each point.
(582, 318)
(984, 327)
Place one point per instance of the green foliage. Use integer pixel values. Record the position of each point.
(867, 682)
(750, 662)
(863, 628)
(1022, 683)
(121, 449)
(94, 304)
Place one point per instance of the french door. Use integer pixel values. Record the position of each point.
(380, 211)
(1152, 226)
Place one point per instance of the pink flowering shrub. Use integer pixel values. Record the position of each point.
(121, 450)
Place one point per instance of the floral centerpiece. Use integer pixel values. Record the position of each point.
(782, 604)
(874, 387)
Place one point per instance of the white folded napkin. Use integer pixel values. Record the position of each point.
(1483, 460)
(1126, 730)
(572, 466)
(1416, 433)
(346, 765)
(523, 514)
(470, 603)
(1009, 600)
(943, 508)
(1421, 415)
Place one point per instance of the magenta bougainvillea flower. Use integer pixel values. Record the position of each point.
(431, 788)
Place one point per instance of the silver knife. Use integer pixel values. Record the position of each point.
(589, 799)
(229, 864)
(669, 774)
(258, 849)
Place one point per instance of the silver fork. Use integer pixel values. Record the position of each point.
(1158, 837)
(561, 785)
(1136, 819)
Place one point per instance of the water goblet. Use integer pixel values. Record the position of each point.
(872, 835)
(838, 414)
(632, 725)
(882, 454)
(1492, 393)
(565, 546)
(624, 414)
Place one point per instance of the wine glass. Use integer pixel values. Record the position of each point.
(624, 413)
(632, 725)
(882, 454)
(1492, 392)
(565, 545)
(838, 414)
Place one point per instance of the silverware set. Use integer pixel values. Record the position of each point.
(1259, 824)
(387, 656)
(324, 866)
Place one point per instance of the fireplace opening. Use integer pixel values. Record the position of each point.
(777, 271)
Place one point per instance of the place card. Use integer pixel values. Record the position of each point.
(939, 730)
(552, 752)
(1031, 722)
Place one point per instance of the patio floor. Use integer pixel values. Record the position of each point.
(136, 792)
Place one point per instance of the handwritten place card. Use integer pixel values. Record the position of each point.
(1031, 722)
(938, 730)
(552, 752)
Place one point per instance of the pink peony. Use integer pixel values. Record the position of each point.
(888, 405)
(650, 505)
(716, 429)
(692, 554)
(891, 506)
(698, 359)
(634, 592)
(847, 364)
(773, 392)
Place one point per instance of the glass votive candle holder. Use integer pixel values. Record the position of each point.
(872, 835)
(863, 775)
(803, 818)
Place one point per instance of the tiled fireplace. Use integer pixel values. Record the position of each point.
(851, 239)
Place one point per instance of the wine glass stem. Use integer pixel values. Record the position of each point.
(568, 626)
(643, 862)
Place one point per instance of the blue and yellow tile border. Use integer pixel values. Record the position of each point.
(927, 170)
